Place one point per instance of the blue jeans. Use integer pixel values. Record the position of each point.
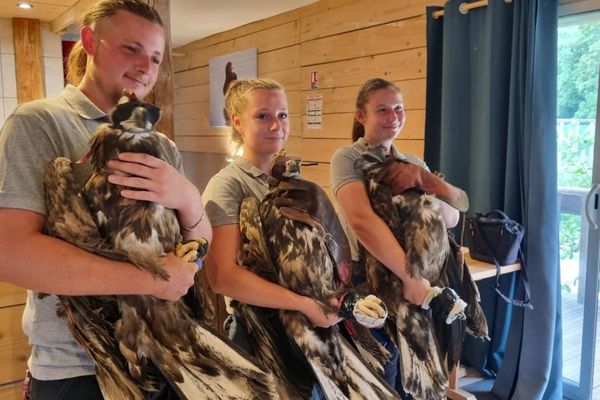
(390, 370)
(80, 387)
(85, 388)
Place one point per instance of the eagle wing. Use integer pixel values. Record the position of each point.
(294, 254)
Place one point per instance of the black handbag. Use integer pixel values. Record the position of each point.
(496, 239)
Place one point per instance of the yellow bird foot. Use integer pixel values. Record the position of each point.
(192, 250)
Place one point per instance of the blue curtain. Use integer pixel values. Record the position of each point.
(491, 129)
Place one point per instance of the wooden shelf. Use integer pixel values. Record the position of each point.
(481, 270)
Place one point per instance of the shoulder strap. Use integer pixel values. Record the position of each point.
(524, 278)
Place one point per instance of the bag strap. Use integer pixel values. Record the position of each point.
(526, 302)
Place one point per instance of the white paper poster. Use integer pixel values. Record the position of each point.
(314, 111)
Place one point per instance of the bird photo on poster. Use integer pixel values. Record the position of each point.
(222, 71)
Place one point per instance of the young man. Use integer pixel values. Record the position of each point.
(123, 41)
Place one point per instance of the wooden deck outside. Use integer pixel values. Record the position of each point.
(572, 322)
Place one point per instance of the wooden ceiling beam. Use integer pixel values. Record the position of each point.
(73, 15)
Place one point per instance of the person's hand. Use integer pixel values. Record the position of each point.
(152, 179)
(415, 290)
(314, 312)
(25, 385)
(181, 277)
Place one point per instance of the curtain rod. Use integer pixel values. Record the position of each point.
(465, 7)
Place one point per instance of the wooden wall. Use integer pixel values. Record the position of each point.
(345, 41)
(14, 349)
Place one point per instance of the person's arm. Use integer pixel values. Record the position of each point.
(33, 260)
(450, 214)
(156, 180)
(378, 239)
(228, 278)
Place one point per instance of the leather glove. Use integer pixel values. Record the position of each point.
(368, 311)
(445, 302)
(401, 176)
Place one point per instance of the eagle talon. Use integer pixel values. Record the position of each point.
(192, 250)
(368, 311)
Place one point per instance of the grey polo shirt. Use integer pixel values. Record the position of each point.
(226, 190)
(33, 135)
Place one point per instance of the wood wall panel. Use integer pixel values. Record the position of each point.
(339, 126)
(11, 391)
(163, 92)
(28, 59)
(14, 349)
(192, 94)
(358, 15)
(394, 36)
(291, 79)
(11, 295)
(345, 41)
(196, 76)
(403, 65)
(342, 99)
(278, 60)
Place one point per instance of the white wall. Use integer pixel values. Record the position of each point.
(53, 75)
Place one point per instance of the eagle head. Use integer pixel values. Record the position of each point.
(134, 115)
(284, 167)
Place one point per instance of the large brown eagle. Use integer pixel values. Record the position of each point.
(128, 337)
(429, 341)
(293, 237)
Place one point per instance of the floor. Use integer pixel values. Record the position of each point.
(572, 328)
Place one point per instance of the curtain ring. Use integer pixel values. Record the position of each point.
(463, 8)
(508, 1)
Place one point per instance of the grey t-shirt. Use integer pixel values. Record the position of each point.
(343, 171)
(226, 190)
(36, 133)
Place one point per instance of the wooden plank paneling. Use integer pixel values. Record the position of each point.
(195, 127)
(340, 126)
(358, 15)
(14, 349)
(72, 15)
(321, 150)
(290, 79)
(318, 173)
(278, 60)
(11, 295)
(278, 37)
(201, 144)
(346, 42)
(163, 92)
(244, 30)
(409, 64)
(196, 76)
(11, 391)
(395, 36)
(28, 59)
(342, 99)
(192, 94)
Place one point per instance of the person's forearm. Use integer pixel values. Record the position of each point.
(49, 265)
(193, 218)
(377, 238)
(247, 287)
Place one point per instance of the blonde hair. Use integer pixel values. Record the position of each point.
(236, 99)
(103, 9)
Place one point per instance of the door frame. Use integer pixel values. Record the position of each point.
(584, 389)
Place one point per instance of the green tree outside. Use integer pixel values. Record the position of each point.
(578, 63)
